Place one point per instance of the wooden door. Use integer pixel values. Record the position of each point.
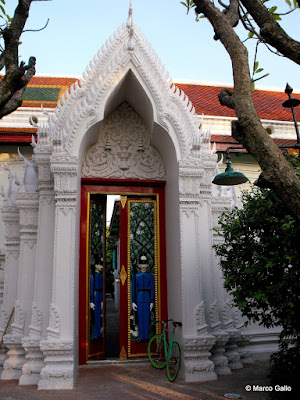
(140, 296)
(142, 228)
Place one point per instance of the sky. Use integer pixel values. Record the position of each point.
(77, 29)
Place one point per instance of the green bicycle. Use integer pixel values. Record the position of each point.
(163, 352)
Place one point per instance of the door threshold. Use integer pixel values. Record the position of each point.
(114, 361)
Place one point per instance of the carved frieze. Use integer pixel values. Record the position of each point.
(200, 318)
(123, 149)
(54, 327)
(19, 320)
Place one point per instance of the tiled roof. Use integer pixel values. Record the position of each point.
(48, 90)
(268, 103)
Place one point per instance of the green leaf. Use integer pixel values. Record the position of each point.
(288, 2)
(250, 35)
(272, 9)
(259, 70)
(277, 17)
(2, 9)
(255, 65)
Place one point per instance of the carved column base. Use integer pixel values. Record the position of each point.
(58, 372)
(234, 361)
(197, 365)
(35, 362)
(12, 367)
(242, 342)
(218, 358)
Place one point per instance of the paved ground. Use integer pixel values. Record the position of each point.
(126, 381)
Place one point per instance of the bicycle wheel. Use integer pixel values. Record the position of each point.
(174, 362)
(156, 352)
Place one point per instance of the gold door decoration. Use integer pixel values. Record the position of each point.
(143, 237)
(123, 275)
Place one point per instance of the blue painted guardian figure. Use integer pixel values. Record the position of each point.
(143, 295)
(96, 298)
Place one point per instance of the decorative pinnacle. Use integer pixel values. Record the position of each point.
(129, 22)
(130, 27)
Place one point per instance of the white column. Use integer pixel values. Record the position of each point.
(10, 217)
(28, 209)
(43, 272)
(224, 302)
(197, 341)
(60, 368)
(221, 362)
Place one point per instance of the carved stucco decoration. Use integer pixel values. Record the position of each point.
(82, 104)
(123, 149)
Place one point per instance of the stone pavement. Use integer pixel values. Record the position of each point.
(140, 381)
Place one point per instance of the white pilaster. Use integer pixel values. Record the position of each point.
(43, 272)
(197, 341)
(58, 348)
(11, 219)
(27, 204)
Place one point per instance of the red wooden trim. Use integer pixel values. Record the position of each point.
(16, 138)
(124, 288)
(122, 182)
(121, 187)
(83, 316)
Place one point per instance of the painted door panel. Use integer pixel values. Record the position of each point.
(142, 229)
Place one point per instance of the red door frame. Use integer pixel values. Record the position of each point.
(122, 187)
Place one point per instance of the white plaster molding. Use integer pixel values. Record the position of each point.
(200, 319)
(218, 358)
(12, 367)
(54, 326)
(34, 361)
(58, 372)
(123, 149)
(198, 367)
(82, 105)
(35, 327)
(19, 318)
(214, 315)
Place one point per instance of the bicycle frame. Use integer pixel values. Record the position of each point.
(163, 336)
(165, 349)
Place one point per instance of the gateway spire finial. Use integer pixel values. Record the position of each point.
(130, 27)
(129, 23)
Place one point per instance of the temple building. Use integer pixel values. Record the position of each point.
(124, 136)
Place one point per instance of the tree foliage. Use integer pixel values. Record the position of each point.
(260, 260)
(261, 22)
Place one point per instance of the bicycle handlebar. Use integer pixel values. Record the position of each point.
(165, 322)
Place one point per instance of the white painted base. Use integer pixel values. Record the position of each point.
(12, 367)
(58, 372)
(35, 362)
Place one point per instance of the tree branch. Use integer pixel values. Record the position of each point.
(248, 129)
(271, 31)
(17, 76)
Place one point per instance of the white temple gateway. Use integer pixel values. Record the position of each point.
(124, 129)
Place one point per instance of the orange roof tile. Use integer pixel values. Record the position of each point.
(204, 98)
(268, 103)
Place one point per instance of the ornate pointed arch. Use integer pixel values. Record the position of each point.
(84, 103)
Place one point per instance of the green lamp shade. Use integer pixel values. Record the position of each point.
(229, 177)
